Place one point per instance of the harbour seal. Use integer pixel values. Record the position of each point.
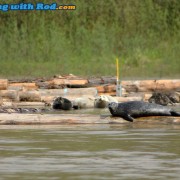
(62, 103)
(165, 98)
(131, 109)
(102, 101)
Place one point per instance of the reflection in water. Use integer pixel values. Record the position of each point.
(89, 152)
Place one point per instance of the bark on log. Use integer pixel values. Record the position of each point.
(71, 82)
(25, 119)
(151, 85)
(33, 104)
(29, 96)
(26, 86)
(68, 92)
(3, 84)
(126, 99)
(106, 88)
(10, 94)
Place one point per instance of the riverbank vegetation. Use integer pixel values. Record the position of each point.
(144, 35)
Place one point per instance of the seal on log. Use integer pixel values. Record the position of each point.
(165, 98)
(131, 109)
(62, 103)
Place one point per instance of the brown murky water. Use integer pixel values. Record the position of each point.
(90, 152)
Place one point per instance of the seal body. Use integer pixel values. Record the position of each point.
(62, 103)
(131, 109)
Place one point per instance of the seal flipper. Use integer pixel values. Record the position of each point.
(174, 113)
(128, 117)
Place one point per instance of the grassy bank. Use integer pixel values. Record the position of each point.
(143, 34)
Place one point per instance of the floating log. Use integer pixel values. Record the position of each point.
(102, 80)
(71, 82)
(25, 119)
(33, 104)
(25, 86)
(151, 85)
(147, 96)
(29, 96)
(106, 88)
(69, 92)
(3, 84)
(109, 90)
(126, 99)
(1, 101)
(9, 94)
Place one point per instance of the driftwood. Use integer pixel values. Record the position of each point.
(125, 99)
(9, 94)
(151, 85)
(29, 96)
(33, 104)
(69, 92)
(22, 119)
(25, 86)
(3, 84)
(71, 82)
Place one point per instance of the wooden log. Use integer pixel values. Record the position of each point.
(109, 90)
(29, 96)
(22, 119)
(71, 82)
(126, 99)
(68, 92)
(147, 96)
(102, 80)
(1, 101)
(45, 85)
(151, 85)
(3, 84)
(25, 86)
(33, 104)
(108, 94)
(106, 88)
(10, 94)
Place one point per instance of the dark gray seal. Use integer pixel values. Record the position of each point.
(163, 98)
(131, 109)
(62, 103)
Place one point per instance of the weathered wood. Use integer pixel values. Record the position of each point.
(33, 104)
(25, 86)
(29, 96)
(151, 85)
(10, 94)
(126, 99)
(21, 119)
(71, 82)
(3, 84)
(106, 88)
(68, 92)
(147, 96)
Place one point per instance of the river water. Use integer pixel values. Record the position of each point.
(90, 152)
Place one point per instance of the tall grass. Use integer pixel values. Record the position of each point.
(143, 34)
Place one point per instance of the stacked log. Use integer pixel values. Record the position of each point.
(3, 84)
(45, 90)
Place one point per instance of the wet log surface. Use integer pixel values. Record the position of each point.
(38, 119)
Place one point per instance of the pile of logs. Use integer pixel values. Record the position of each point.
(45, 90)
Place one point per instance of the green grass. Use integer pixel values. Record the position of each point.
(143, 34)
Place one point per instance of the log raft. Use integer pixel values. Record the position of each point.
(64, 119)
